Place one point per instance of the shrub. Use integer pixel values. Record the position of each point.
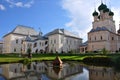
(98, 60)
(25, 61)
(104, 51)
(29, 50)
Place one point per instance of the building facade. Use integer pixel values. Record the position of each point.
(103, 33)
(22, 38)
(1, 47)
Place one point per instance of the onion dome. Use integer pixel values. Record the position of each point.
(106, 10)
(102, 7)
(111, 13)
(95, 13)
(99, 17)
(118, 31)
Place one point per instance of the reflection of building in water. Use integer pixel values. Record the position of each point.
(17, 70)
(66, 71)
(34, 70)
(102, 73)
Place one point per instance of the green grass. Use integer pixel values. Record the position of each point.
(67, 57)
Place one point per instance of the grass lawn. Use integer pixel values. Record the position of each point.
(68, 57)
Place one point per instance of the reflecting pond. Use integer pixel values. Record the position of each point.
(45, 71)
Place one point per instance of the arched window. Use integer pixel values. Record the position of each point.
(95, 37)
(22, 41)
(101, 37)
(90, 38)
(35, 44)
(16, 41)
(14, 49)
(112, 38)
(40, 43)
(46, 42)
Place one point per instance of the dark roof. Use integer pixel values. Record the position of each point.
(1, 42)
(28, 38)
(118, 31)
(99, 29)
(111, 13)
(95, 13)
(41, 38)
(84, 44)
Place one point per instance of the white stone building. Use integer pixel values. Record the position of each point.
(103, 33)
(22, 38)
(1, 47)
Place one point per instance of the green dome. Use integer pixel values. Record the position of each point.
(111, 13)
(106, 10)
(95, 13)
(99, 17)
(102, 7)
(118, 31)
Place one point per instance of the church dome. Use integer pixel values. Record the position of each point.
(118, 31)
(111, 13)
(102, 7)
(106, 10)
(95, 13)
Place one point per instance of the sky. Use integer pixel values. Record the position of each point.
(72, 15)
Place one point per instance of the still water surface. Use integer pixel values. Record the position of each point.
(45, 71)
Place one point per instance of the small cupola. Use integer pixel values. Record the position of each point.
(95, 13)
(111, 13)
(119, 29)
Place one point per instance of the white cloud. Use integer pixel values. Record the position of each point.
(20, 4)
(80, 13)
(116, 16)
(2, 7)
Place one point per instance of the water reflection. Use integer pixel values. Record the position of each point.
(103, 73)
(45, 71)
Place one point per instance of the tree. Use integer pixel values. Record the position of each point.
(104, 51)
(29, 52)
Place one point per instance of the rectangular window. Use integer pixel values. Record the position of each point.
(21, 41)
(54, 41)
(16, 41)
(61, 40)
(14, 49)
(67, 41)
(43, 44)
(51, 41)
(101, 37)
(40, 43)
(35, 44)
(112, 38)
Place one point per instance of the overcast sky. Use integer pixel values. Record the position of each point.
(72, 15)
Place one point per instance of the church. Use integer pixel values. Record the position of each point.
(103, 34)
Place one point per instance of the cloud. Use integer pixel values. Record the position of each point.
(20, 4)
(80, 14)
(2, 7)
(116, 18)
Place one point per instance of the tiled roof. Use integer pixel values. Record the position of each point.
(99, 29)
